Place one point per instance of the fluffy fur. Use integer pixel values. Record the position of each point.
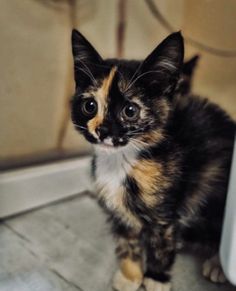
(162, 156)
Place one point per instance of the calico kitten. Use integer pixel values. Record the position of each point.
(161, 162)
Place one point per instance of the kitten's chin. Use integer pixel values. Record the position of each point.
(108, 148)
(105, 148)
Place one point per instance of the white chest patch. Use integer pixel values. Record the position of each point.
(112, 168)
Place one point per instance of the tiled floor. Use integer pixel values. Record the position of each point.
(67, 247)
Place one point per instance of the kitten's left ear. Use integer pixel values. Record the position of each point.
(166, 60)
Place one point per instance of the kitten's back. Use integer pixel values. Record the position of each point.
(205, 133)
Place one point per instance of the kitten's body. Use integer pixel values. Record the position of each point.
(184, 158)
(163, 178)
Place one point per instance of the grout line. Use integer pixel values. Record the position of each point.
(43, 261)
(58, 274)
(24, 238)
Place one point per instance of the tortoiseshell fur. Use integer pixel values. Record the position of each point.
(162, 179)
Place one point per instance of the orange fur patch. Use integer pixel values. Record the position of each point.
(101, 95)
(131, 270)
(94, 123)
(152, 137)
(150, 178)
(107, 82)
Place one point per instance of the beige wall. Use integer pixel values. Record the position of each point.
(36, 63)
(36, 76)
(213, 23)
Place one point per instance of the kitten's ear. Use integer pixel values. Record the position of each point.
(82, 50)
(166, 61)
(185, 83)
(85, 57)
(168, 55)
(190, 66)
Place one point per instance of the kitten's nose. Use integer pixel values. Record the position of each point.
(102, 131)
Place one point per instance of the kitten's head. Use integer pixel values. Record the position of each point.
(119, 102)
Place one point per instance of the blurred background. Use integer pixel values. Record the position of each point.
(36, 63)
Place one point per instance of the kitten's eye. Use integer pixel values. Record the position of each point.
(89, 107)
(131, 112)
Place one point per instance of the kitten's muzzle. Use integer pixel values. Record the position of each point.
(109, 138)
(113, 142)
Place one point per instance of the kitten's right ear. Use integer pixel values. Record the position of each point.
(163, 65)
(82, 50)
(85, 58)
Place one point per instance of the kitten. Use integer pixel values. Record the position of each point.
(161, 162)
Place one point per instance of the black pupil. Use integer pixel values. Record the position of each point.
(130, 111)
(90, 107)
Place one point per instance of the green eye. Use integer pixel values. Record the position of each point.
(131, 112)
(89, 107)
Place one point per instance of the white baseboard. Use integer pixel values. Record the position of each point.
(28, 188)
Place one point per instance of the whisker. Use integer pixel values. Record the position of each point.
(139, 76)
(79, 126)
(136, 71)
(135, 131)
(87, 69)
(139, 146)
(87, 73)
(139, 141)
(139, 130)
(136, 146)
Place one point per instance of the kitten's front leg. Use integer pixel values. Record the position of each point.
(129, 277)
(160, 250)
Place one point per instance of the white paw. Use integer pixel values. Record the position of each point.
(212, 270)
(121, 283)
(152, 285)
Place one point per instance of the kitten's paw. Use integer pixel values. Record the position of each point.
(121, 283)
(152, 285)
(212, 270)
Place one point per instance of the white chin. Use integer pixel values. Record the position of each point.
(108, 148)
(105, 148)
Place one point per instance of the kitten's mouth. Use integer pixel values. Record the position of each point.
(108, 143)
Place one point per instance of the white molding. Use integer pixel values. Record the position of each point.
(31, 187)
